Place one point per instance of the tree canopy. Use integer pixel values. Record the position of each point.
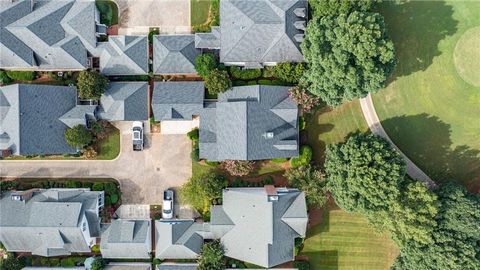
(337, 7)
(202, 189)
(91, 84)
(349, 55)
(204, 63)
(311, 181)
(78, 136)
(217, 81)
(212, 256)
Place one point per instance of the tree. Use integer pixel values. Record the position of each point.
(11, 263)
(91, 84)
(238, 167)
(212, 256)
(289, 72)
(311, 181)
(202, 189)
(205, 63)
(456, 238)
(337, 7)
(98, 264)
(348, 56)
(78, 136)
(4, 79)
(304, 158)
(303, 98)
(217, 81)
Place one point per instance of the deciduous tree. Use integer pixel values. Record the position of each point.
(212, 256)
(337, 7)
(78, 136)
(205, 63)
(311, 181)
(217, 81)
(91, 84)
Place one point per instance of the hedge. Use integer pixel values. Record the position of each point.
(21, 75)
(114, 198)
(4, 79)
(304, 158)
(245, 74)
(194, 134)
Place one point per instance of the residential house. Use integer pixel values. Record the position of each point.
(258, 33)
(174, 54)
(50, 222)
(34, 118)
(123, 55)
(127, 239)
(124, 101)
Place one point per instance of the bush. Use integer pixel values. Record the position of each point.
(279, 160)
(98, 187)
(67, 262)
(195, 155)
(311, 181)
(74, 184)
(21, 75)
(238, 167)
(110, 188)
(90, 153)
(96, 249)
(212, 163)
(91, 84)
(205, 63)
(217, 82)
(114, 198)
(78, 136)
(157, 261)
(194, 134)
(303, 98)
(239, 83)
(212, 256)
(301, 123)
(272, 82)
(153, 32)
(267, 72)
(301, 265)
(304, 158)
(268, 180)
(289, 72)
(4, 79)
(245, 74)
(108, 201)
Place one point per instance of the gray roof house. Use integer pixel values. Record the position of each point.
(124, 101)
(47, 35)
(257, 33)
(174, 54)
(52, 222)
(250, 123)
(124, 55)
(179, 239)
(177, 100)
(33, 118)
(127, 239)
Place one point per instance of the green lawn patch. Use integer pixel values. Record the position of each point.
(328, 126)
(109, 148)
(199, 10)
(428, 109)
(346, 241)
(108, 12)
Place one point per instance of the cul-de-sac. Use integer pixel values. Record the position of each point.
(239, 134)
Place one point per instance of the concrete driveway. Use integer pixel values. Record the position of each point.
(164, 163)
(137, 16)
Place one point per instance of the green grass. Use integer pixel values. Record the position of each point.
(199, 10)
(108, 12)
(329, 126)
(109, 148)
(427, 109)
(345, 241)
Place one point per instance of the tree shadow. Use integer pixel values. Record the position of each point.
(313, 139)
(416, 28)
(323, 258)
(426, 140)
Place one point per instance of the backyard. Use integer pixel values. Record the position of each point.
(431, 106)
(108, 12)
(346, 241)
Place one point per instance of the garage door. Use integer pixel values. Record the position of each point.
(178, 127)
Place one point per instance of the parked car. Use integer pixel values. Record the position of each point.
(137, 136)
(167, 206)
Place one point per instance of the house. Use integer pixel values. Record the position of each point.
(124, 55)
(50, 222)
(48, 35)
(250, 123)
(175, 105)
(34, 118)
(255, 225)
(127, 239)
(258, 33)
(174, 54)
(124, 101)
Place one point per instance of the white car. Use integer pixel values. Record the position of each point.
(137, 136)
(167, 206)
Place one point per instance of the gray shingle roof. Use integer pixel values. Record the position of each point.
(124, 55)
(245, 117)
(178, 239)
(255, 32)
(127, 239)
(208, 40)
(51, 35)
(177, 100)
(51, 222)
(174, 54)
(177, 266)
(124, 101)
(37, 118)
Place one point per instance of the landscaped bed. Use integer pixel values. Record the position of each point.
(108, 12)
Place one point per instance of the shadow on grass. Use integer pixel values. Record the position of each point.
(416, 28)
(313, 139)
(425, 139)
(325, 259)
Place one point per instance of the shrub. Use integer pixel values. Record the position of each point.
(311, 181)
(78, 136)
(153, 31)
(90, 153)
(96, 249)
(157, 261)
(212, 163)
(98, 264)
(303, 98)
(110, 188)
(4, 79)
(98, 187)
(301, 265)
(239, 83)
(91, 84)
(267, 72)
(238, 167)
(301, 123)
(217, 82)
(205, 63)
(74, 184)
(108, 201)
(279, 160)
(195, 155)
(194, 134)
(21, 75)
(212, 256)
(114, 198)
(289, 72)
(268, 180)
(67, 262)
(101, 129)
(245, 74)
(304, 158)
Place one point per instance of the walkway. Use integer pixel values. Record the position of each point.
(376, 127)
(143, 176)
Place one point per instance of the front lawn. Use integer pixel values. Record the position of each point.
(109, 148)
(346, 241)
(430, 109)
(329, 126)
(199, 10)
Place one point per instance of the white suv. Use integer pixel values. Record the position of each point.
(137, 136)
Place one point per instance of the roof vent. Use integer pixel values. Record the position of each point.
(268, 135)
(299, 37)
(300, 12)
(300, 25)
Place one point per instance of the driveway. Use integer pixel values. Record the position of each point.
(164, 163)
(137, 16)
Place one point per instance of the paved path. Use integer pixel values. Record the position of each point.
(143, 176)
(376, 127)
